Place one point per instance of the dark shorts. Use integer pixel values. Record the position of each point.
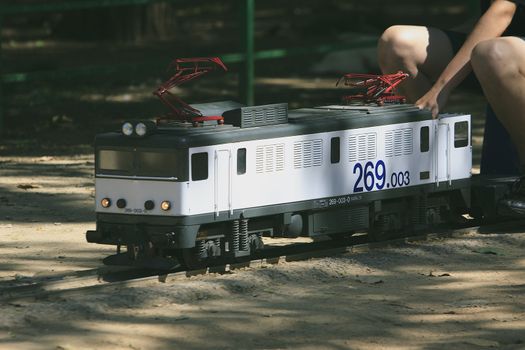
(457, 39)
(498, 154)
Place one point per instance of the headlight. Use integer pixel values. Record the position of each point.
(141, 129)
(105, 202)
(127, 128)
(165, 205)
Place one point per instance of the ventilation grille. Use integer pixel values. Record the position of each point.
(399, 142)
(248, 117)
(307, 154)
(269, 158)
(362, 147)
(354, 218)
(341, 220)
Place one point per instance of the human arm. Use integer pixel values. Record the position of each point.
(491, 25)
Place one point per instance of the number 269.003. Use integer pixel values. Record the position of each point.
(374, 176)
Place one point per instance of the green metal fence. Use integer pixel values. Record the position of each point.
(246, 55)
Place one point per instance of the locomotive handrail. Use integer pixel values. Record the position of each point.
(436, 153)
(449, 151)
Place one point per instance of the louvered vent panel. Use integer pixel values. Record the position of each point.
(399, 142)
(371, 147)
(269, 158)
(352, 149)
(297, 155)
(279, 157)
(259, 117)
(282, 116)
(308, 154)
(362, 147)
(270, 116)
(259, 159)
(248, 117)
(318, 152)
(407, 141)
(389, 144)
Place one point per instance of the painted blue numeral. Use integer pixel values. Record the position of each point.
(380, 174)
(393, 180)
(369, 175)
(376, 175)
(358, 168)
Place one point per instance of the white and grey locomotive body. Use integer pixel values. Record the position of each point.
(213, 190)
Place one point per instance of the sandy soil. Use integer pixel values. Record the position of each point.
(460, 293)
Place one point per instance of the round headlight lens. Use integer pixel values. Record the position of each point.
(141, 129)
(165, 205)
(105, 202)
(127, 129)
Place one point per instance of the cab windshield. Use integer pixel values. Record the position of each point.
(148, 163)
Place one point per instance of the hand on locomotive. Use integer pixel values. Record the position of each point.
(439, 60)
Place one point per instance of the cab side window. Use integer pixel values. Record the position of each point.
(424, 137)
(461, 134)
(199, 166)
(335, 150)
(241, 161)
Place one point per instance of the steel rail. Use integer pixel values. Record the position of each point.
(80, 282)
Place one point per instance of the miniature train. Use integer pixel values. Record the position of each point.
(174, 189)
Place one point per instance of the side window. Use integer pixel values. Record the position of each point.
(199, 166)
(241, 161)
(461, 134)
(424, 137)
(335, 150)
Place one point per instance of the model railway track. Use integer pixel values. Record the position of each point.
(78, 282)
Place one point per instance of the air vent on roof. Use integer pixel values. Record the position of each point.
(248, 117)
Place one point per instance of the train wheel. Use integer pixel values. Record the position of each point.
(191, 260)
(201, 255)
(387, 226)
(138, 251)
(256, 242)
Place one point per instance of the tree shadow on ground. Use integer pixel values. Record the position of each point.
(383, 297)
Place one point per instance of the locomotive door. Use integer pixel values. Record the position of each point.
(223, 190)
(442, 154)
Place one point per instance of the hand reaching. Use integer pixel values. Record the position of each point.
(433, 100)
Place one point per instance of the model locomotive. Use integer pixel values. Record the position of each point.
(208, 190)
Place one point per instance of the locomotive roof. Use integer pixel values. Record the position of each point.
(300, 122)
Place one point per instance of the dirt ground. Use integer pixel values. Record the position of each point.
(460, 293)
(463, 293)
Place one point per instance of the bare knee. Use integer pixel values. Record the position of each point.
(494, 58)
(396, 48)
